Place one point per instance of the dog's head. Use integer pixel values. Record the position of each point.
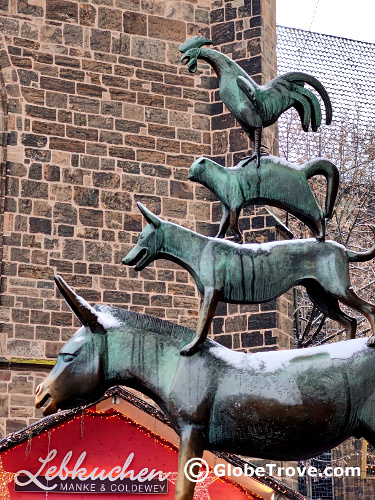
(149, 242)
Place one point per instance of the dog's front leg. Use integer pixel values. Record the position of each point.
(206, 314)
(191, 447)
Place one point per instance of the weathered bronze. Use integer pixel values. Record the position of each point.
(254, 273)
(283, 405)
(285, 187)
(258, 106)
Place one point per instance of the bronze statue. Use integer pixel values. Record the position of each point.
(253, 273)
(258, 106)
(282, 405)
(285, 187)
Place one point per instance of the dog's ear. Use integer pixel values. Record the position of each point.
(149, 216)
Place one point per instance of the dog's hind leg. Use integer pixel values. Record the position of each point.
(329, 305)
(224, 223)
(234, 216)
(351, 299)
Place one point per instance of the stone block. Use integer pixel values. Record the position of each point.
(106, 180)
(9, 26)
(20, 254)
(89, 217)
(73, 35)
(4, 405)
(39, 317)
(135, 23)
(50, 333)
(116, 200)
(58, 11)
(57, 84)
(171, 29)
(100, 40)
(72, 249)
(67, 145)
(83, 104)
(262, 321)
(110, 19)
(116, 297)
(251, 339)
(24, 349)
(64, 212)
(98, 252)
(40, 225)
(14, 425)
(20, 315)
(148, 48)
(161, 300)
(40, 112)
(86, 197)
(87, 14)
(132, 223)
(111, 137)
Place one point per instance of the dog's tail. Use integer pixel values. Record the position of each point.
(363, 256)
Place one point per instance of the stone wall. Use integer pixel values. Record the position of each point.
(17, 394)
(97, 114)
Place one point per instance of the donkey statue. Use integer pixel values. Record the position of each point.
(284, 187)
(280, 405)
(254, 273)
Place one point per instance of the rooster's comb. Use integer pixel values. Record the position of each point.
(194, 43)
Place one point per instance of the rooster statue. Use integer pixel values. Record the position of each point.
(258, 106)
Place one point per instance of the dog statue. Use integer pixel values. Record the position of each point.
(254, 273)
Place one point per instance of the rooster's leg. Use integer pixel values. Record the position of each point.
(255, 138)
(257, 144)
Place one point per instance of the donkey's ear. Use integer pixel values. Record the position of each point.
(80, 308)
(149, 216)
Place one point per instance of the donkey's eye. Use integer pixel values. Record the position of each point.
(67, 358)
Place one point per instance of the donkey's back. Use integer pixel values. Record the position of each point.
(292, 404)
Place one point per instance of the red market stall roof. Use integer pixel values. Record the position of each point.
(87, 450)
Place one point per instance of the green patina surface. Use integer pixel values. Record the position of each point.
(283, 405)
(258, 106)
(277, 182)
(254, 273)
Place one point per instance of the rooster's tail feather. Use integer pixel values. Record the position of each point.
(303, 107)
(302, 78)
(316, 114)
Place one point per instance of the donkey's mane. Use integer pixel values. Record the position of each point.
(147, 322)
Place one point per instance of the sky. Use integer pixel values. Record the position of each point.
(353, 19)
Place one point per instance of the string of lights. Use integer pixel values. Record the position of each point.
(5, 479)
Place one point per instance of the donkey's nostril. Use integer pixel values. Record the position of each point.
(38, 389)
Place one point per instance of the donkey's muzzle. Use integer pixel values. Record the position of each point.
(41, 398)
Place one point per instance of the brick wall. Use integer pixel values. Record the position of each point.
(17, 394)
(97, 114)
